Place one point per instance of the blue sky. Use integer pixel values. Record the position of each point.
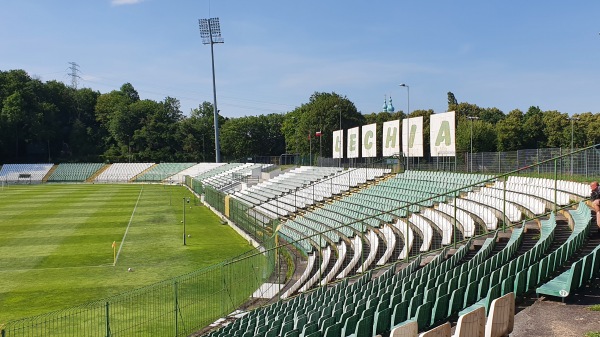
(504, 54)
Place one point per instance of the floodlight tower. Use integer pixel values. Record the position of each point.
(210, 31)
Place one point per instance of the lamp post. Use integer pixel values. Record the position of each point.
(408, 123)
(342, 134)
(185, 200)
(310, 146)
(210, 32)
(471, 155)
(572, 138)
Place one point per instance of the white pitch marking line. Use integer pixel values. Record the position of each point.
(129, 224)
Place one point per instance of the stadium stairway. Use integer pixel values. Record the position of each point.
(93, 177)
(142, 173)
(45, 179)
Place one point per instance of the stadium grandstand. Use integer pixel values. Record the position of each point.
(376, 249)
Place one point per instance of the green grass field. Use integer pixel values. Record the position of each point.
(55, 242)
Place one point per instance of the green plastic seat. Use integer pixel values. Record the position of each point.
(415, 302)
(520, 286)
(564, 284)
(439, 311)
(382, 321)
(399, 314)
(292, 333)
(350, 324)
(423, 315)
(508, 285)
(364, 328)
(470, 296)
(456, 302)
(334, 330)
(532, 276)
(493, 293)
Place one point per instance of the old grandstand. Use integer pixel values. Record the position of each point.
(379, 250)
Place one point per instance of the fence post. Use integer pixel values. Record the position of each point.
(223, 287)
(555, 184)
(499, 163)
(586, 163)
(407, 231)
(108, 334)
(176, 307)
(504, 204)
(455, 226)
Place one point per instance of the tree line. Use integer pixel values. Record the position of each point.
(52, 122)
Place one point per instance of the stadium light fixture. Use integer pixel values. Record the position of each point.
(408, 119)
(210, 32)
(471, 155)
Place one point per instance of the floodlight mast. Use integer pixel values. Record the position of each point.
(210, 32)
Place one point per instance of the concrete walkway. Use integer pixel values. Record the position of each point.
(547, 317)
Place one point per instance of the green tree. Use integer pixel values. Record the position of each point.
(452, 102)
(197, 133)
(19, 114)
(510, 131)
(121, 115)
(557, 129)
(484, 135)
(533, 128)
(587, 129)
(13, 118)
(156, 139)
(322, 113)
(253, 135)
(84, 139)
(491, 115)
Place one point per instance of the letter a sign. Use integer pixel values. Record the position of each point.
(443, 134)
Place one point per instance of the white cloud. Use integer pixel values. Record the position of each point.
(124, 2)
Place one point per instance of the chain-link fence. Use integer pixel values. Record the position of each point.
(585, 163)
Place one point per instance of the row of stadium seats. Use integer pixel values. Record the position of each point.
(387, 235)
(425, 297)
(74, 172)
(162, 171)
(118, 172)
(193, 171)
(28, 173)
(122, 172)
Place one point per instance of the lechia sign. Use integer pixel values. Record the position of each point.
(360, 141)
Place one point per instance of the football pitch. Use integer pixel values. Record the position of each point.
(56, 242)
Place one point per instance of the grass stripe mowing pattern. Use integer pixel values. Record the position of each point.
(55, 242)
